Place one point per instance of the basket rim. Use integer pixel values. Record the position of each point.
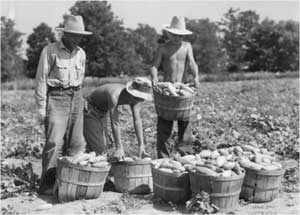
(219, 178)
(177, 175)
(183, 97)
(137, 162)
(277, 172)
(85, 168)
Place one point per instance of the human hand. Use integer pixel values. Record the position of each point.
(154, 81)
(41, 117)
(119, 154)
(143, 153)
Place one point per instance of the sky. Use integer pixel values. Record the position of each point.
(29, 14)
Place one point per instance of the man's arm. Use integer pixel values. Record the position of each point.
(156, 64)
(137, 122)
(114, 119)
(40, 92)
(193, 65)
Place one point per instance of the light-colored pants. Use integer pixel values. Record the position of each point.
(64, 130)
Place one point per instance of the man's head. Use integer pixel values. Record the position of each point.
(176, 38)
(140, 88)
(71, 39)
(73, 30)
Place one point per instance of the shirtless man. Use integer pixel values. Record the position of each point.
(174, 56)
(106, 99)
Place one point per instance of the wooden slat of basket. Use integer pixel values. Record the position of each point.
(173, 109)
(95, 191)
(83, 177)
(73, 173)
(168, 188)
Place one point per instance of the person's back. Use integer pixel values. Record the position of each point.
(105, 100)
(105, 96)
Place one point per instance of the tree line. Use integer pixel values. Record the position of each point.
(239, 42)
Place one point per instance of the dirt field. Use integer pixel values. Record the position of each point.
(266, 111)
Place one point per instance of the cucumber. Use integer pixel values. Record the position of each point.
(206, 171)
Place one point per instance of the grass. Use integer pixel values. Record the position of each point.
(265, 111)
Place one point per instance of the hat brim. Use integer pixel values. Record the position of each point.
(139, 94)
(75, 32)
(177, 31)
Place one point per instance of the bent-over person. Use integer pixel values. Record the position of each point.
(105, 101)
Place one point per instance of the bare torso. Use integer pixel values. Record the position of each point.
(107, 95)
(174, 57)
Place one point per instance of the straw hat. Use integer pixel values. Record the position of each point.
(177, 26)
(140, 87)
(74, 24)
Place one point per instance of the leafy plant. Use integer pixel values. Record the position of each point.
(200, 203)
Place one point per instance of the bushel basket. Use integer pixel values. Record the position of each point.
(132, 176)
(79, 182)
(223, 191)
(173, 107)
(170, 186)
(261, 185)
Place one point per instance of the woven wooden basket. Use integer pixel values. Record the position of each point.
(171, 187)
(223, 191)
(173, 107)
(79, 182)
(261, 185)
(132, 176)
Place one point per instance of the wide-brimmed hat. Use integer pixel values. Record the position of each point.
(177, 26)
(74, 24)
(140, 87)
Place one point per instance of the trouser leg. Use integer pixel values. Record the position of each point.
(164, 130)
(55, 127)
(75, 140)
(184, 131)
(94, 131)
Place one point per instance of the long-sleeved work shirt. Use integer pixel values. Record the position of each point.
(58, 67)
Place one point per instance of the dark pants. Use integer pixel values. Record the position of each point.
(64, 131)
(164, 131)
(95, 129)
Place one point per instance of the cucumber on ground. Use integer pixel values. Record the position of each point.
(224, 152)
(250, 148)
(215, 154)
(205, 153)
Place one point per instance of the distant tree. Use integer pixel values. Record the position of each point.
(237, 28)
(206, 45)
(274, 46)
(42, 35)
(145, 40)
(110, 50)
(11, 62)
